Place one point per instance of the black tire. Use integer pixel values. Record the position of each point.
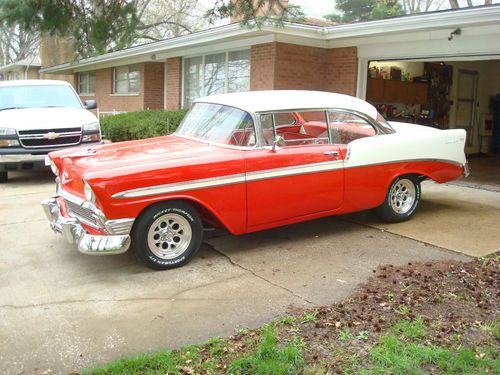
(167, 235)
(401, 200)
(4, 176)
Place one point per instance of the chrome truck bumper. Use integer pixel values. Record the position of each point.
(74, 232)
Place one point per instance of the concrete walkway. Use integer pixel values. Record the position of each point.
(62, 310)
(453, 217)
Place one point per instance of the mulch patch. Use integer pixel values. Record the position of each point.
(453, 298)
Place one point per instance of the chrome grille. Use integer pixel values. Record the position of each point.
(50, 137)
(79, 212)
(119, 226)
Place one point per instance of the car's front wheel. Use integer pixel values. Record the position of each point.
(4, 177)
(167, 235)
(401, 200)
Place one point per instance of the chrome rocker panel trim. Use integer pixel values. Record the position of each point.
(73, 231)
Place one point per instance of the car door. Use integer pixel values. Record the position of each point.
(303, 176)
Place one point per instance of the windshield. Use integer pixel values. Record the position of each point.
(220, 124)
(31, 96)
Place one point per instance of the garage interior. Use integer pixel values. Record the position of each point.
(461, 92)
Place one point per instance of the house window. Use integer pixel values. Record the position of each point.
(217, 73)
(127, 79)
(86, 83)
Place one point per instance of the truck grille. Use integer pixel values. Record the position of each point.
(50, 137)
(79, 212)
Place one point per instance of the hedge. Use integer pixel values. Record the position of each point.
(140, 125)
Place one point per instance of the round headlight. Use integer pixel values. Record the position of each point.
(87, 190)
(53, 166)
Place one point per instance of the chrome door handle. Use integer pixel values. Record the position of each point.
(332, 153)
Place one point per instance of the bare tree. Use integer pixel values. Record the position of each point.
(418, 6)
(161, 19)
(16, 44)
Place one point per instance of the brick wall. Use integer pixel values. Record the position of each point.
(300, 67)
(150, 95)
(262, 66)
(109, 102)
(342, 70)
(283, 66)
(154, 82)
(174, 80)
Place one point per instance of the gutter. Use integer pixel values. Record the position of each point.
(418, 22)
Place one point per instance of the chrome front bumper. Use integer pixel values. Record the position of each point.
(74, 232)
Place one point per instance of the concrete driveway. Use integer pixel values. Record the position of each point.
(62, 310)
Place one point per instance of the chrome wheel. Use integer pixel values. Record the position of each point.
(402, 196)
(169, 236)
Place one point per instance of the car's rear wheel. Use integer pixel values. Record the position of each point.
(401, 201)
(167, 235)
(4, 177)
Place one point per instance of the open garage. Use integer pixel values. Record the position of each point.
(444, 76)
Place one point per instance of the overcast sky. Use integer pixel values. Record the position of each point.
(316, 8)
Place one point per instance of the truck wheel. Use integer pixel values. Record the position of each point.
(401, 200)
(167, 235)
(4, 177)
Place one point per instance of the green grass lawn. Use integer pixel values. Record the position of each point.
(401, 350)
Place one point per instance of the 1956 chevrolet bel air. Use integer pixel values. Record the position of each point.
(246, 162)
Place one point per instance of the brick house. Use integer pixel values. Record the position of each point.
(170, 74)
(28, 68)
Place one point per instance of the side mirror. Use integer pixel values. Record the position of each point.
(279, 141)
(90, 104)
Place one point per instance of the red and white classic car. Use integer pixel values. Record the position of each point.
(246, 162)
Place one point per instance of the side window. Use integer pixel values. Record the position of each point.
(346, 127)
(267, 124)
(296, 128)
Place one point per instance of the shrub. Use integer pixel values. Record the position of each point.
(140, 125)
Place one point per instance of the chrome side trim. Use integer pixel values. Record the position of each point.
(352, 165)
(258, 176)
(230, 179)
(295, 170)
(182, 186)
(466, 168)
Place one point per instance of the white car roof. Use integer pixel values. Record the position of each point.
(277, 100)
(34, 82)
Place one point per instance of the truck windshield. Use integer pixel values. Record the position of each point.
(34, 96)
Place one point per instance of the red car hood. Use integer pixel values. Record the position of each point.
(149, 161)
(123, 154)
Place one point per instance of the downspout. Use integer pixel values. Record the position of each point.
(28, 67)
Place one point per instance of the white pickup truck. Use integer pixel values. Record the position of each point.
(39, 116)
